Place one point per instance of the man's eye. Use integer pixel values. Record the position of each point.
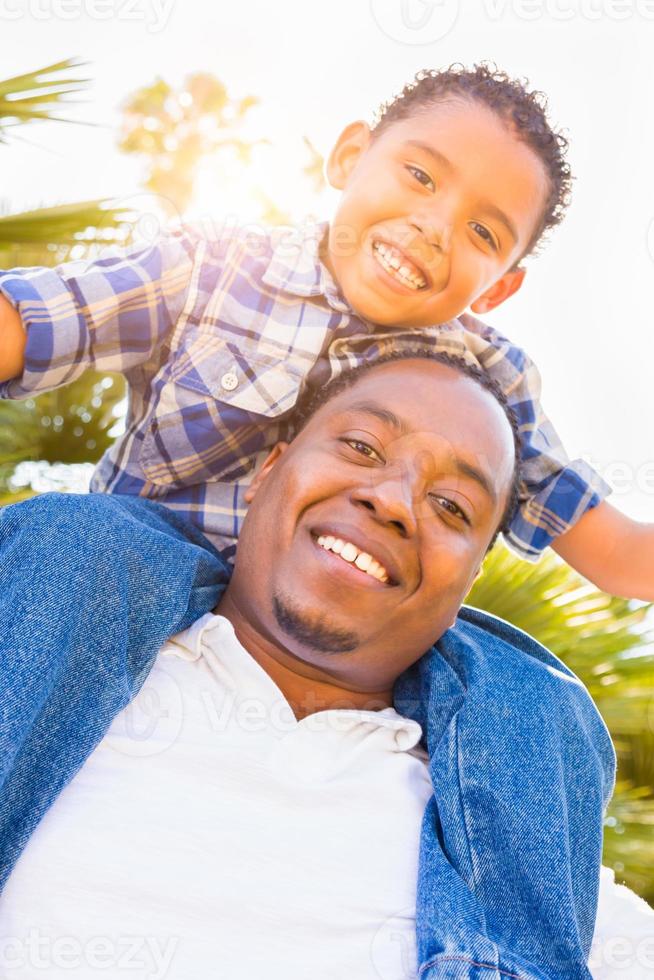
(448, 505)
(363, 448)
(422, 177)
(484, 233)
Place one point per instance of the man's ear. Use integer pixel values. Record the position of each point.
(264, 470)
(509, 284)
(346, 152)
(473, 578)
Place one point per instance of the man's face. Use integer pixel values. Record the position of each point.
(449, 195)
(411, 466)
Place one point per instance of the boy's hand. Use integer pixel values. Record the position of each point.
(12, 341)
(615, 552)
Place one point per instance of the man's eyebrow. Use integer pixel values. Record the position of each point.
(461, 465)
(468, 469)
(490, 209)
(383, 414)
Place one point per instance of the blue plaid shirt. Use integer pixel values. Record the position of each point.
(218, 334)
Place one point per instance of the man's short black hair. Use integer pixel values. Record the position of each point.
(315, 398)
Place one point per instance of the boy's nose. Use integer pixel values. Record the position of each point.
(436, 229)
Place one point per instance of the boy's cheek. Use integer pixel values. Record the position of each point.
(345, 241)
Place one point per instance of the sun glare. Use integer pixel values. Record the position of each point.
(270, 186)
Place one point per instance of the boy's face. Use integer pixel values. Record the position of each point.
(450, 196)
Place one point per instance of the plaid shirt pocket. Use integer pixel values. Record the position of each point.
(213, 411)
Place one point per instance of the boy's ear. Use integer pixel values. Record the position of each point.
(349, 147)
(264, 470)
(509, 284)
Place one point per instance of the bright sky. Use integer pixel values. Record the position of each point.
(583, 314)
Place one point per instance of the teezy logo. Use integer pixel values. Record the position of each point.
(415, 21)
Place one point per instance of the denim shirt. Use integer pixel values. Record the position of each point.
(521, 763)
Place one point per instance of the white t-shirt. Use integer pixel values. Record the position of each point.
(213, 835)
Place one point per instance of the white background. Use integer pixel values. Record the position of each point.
(584, 313)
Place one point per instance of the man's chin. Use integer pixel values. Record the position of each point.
(311, 629)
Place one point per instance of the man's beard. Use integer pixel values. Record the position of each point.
(312, 631)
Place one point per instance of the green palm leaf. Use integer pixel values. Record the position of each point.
(605, 641)
(37, 95)
(85, 222)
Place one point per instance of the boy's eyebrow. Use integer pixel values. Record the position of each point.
(490, 209)
(501, 216)
(461, 465)
(433, 152)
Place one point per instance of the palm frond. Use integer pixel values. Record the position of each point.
(68, 425)
(85, 222)
(605, 640)
(37, 96)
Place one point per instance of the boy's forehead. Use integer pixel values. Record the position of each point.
(460, 124)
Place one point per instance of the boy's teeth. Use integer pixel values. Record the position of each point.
(390, 260)
(350, 553)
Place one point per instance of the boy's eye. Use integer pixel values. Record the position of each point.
(422, 177)
(450, 507)
(363, 449)
(484, 233)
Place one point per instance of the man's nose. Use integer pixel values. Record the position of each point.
(391, 500)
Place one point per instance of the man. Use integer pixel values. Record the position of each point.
(295, 849)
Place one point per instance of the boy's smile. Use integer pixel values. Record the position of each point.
(436, 212)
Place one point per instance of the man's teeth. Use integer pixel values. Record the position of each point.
(350, 553)
(392, 260)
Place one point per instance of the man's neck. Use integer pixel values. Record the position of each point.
(306, 692)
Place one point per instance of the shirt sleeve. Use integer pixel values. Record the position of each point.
(110, 314)
(555, 490)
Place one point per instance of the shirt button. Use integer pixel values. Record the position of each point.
(229, 381)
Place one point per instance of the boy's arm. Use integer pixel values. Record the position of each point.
(562, 500)
(12, 341)
(111, 314)
(615, 552)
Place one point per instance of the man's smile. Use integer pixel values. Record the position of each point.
(351, 552)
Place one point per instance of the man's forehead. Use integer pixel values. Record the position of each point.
(430, 407)
(407, 394)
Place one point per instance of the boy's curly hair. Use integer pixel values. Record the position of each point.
(510, 99)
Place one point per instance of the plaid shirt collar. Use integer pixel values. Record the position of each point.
(296, 268)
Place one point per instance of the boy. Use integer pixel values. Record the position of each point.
(217, 337)
(455, 184)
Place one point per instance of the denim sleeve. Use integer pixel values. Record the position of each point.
(522, 767)
(110, 314)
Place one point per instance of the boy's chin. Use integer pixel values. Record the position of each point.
(383, 315)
